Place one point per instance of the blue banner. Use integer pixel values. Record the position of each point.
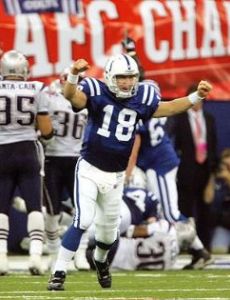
(15, 7)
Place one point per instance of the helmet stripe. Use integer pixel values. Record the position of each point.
(127, 61)
(110, 68)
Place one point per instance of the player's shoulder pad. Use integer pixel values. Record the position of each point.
(92, 84)
(147, 93)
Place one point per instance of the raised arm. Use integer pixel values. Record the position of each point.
(71, 92)
(170, 108)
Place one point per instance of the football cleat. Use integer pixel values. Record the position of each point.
(4, 266)
(103, 274)
(201, 259)
(35, 265)
(56, 281)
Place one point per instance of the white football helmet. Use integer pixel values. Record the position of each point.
(121, 64)
(137, 179)
(14, 63)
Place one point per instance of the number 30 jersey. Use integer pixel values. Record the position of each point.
(110, 131)
(20, 102)
(68, 127)
(158, 251)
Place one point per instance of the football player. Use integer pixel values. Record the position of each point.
(23, 106)
(115, 106)
(158, 251)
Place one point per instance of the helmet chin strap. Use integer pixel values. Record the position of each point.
(123, 94)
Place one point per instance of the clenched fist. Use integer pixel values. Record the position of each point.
(79, 66)
(203, 89)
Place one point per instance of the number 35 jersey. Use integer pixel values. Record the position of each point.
(20, 102)
(110, 131)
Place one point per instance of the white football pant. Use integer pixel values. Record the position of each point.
(165, 188)
(97, 197)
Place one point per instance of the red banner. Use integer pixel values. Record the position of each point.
(179, 42)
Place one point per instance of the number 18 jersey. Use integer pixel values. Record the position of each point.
(110, 131)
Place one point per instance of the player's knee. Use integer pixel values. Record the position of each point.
(106, 234)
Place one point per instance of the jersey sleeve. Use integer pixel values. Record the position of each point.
(42, 102)
(90, 86)
(150, 98)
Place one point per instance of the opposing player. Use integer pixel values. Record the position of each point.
(157, 252)
(22, 107)
(114, 108)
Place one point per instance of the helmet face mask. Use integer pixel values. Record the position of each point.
(15, 64)
(124, 66)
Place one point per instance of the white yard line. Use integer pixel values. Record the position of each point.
(123, 291)
(95, 298)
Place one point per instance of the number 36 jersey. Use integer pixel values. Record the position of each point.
(110, 131)
(68, 127)
(20, 102)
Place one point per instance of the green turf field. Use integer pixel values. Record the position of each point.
(176, 284)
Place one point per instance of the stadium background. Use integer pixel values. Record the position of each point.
(179, 42)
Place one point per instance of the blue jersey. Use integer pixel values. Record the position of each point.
(110, 130)
(141, 203)
(156, 151)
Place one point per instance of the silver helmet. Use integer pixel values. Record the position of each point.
(14, 63)
(121, 64)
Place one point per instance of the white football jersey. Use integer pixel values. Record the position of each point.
(158, 251)
(68, 127)
(20, 101)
